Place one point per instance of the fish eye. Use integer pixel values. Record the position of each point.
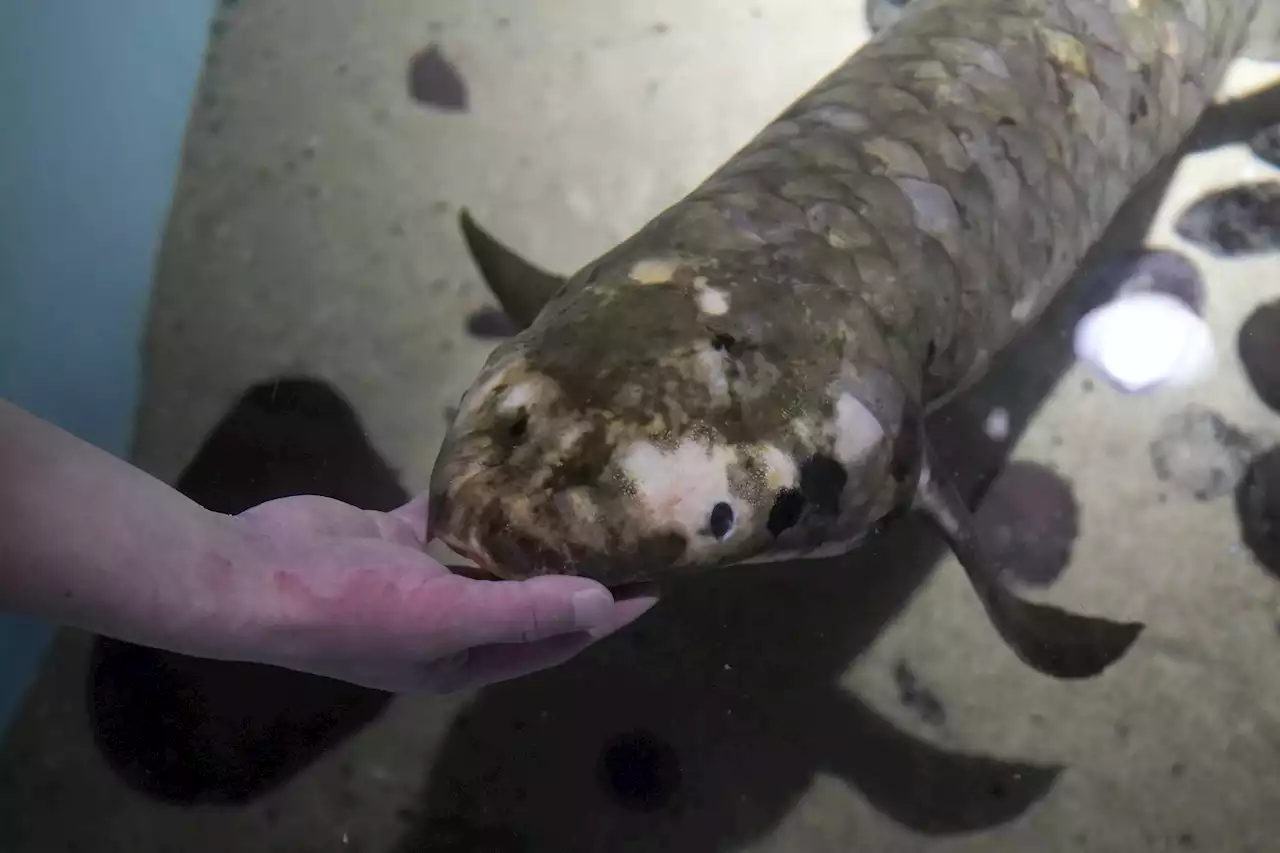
(721, 521)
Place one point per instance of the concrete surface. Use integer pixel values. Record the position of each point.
(862, 704)
(95, 98)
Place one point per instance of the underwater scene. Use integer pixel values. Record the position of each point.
(933, 393)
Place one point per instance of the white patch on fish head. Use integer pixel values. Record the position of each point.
(518, 397)
(679, 490)
(711, 301)
(654, 270)
(713, 366)
(493, 377)
(857, 432)
(780, 470)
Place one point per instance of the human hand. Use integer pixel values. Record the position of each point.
(334, 590)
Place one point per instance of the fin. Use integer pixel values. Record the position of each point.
(1054, 641)
(521, 288)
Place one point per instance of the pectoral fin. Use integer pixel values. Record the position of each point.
(1054, 641)
(521, 288)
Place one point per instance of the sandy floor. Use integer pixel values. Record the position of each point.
(863, 704)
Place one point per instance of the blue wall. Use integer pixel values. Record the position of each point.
(94, 96)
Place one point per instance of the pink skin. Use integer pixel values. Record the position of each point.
(357, 599)
(304, 582)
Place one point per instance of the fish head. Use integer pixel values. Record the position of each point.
(633, 429)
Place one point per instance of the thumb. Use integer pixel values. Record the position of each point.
(487, 612)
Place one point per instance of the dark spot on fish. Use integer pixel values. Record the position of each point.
(1122, 732)
(640, 771)
(1159, 271)
(491, 323)
(1186, 840)
(1140, 109)
(822, 481)
(661, 28)
(519, 428)
(915, 696)
(1177, 769)
(1258, 346)
(434, 81)
(1087, 386)
(726, 343)
(342, 68)
(786, 511)
(930, 353)
(1006, 121)
(1265, 144)
(502, 23)
(1236, 221)
(1029, 522)
(1258, 509)
(1197, 450)
(721, 521)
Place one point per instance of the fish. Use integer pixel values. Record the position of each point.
(745, 378)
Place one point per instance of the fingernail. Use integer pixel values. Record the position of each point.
(642, 604)
(591, 607)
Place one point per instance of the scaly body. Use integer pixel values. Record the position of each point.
(745, 378)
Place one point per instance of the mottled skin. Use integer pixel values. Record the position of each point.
(785, 326)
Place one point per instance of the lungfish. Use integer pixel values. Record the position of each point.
(745, 378)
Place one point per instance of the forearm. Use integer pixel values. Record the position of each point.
(91, 541)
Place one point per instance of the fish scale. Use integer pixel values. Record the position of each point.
(763, 351)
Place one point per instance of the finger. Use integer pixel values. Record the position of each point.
(484, 612)
(491, 664)
(415, 516)
(624, 613)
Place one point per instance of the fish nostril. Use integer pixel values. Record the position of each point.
(519, 427)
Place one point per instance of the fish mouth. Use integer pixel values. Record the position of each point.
(477, 529)
(509, 540)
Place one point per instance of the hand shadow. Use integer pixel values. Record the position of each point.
(700, 728)
(190, 730)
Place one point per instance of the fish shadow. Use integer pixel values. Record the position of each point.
(187, 730)
(700, 727)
